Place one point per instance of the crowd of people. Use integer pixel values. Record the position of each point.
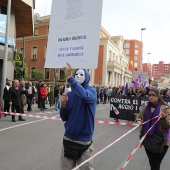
(18, 94)
(104, 93)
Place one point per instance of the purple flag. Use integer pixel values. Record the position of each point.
(144, 84)
(137, 81)
(125, 89)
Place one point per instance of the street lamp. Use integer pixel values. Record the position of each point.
(142, 29)
(148, 69)
(23, 58)
(4, 68)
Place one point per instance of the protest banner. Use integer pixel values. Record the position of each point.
(127, 107)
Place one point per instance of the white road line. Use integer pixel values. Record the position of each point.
(21, 125)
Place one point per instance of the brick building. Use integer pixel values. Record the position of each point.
(147, 67)
(133, 49)
(161, 70)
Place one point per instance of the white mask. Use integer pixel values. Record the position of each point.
(80, 76)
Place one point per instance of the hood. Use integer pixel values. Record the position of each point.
(87, 80)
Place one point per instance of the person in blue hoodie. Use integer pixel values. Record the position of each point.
(78, 110)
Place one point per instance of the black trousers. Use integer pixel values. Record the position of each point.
(17, 109)
(156, 159)
(6, 106)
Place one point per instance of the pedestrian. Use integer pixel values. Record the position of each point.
(22, 87)
(43, 95)
(155, 107)
(48, 94)
(30, 95)
(15, 99)
(38, 86)
(68, 88)
(78, 110)
(6, 96)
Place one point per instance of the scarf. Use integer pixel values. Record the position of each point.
(148, 115)
(168, 135)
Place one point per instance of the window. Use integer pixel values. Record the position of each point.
(36, 31)
(136, 45)
(33, 72)
(47, 73)
(62, 75)
(110, 56)
(45, 52)
(47, 30)
(136, 58)
(34, 52)
(136, 51)
(126, 51)
(109, 75)
(21, 50)
(3, 9)
(126, 45)
(135, 64)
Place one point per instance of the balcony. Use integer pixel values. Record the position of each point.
(113, 64)
(127, 71)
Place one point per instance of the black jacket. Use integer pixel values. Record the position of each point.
(15, 95)
(6, 95)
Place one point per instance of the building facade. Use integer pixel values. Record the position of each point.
(21, 24)
(133, 49)
(147, 68)
(112, 60)
(161, 71)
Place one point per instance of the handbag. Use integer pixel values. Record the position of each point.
(74, 150)
(154, 143)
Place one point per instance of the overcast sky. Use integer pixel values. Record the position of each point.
(127, 17)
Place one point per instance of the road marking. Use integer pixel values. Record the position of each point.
(22, 125)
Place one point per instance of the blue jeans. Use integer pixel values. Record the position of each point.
(57, 103)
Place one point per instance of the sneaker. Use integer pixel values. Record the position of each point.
(13, 120)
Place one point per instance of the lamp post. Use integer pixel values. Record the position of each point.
(4, 69)
(148, 68)
(142, 29)
(23, 58)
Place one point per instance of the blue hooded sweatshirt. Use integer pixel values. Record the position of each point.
(80, 110)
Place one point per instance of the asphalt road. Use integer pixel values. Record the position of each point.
(36, 144)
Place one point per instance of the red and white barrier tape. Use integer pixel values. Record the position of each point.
(58, 118)
(78, 166)
(138, 146)
(33, 115)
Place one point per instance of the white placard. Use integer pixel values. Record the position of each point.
(74, 34)
(75, 10)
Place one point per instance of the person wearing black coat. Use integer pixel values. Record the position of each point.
(6, 97)
(15, 100)
(30, 95)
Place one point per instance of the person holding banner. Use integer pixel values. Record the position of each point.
(155, 107)
(78, 110)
